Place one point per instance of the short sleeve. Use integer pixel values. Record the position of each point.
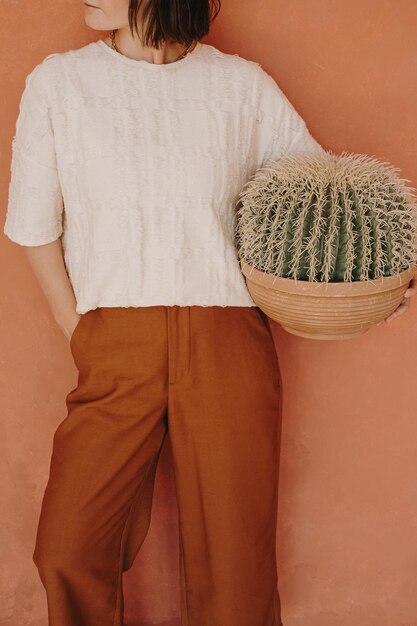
(280, 128)
(35, 203)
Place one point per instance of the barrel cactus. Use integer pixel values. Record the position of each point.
(327, 218)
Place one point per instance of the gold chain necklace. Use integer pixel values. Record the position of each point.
(114, 46)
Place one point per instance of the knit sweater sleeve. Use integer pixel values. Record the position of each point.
(281, 130)
(35, 202)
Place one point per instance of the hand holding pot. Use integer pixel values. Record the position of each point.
(403, 306)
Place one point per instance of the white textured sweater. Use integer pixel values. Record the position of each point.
(137, 167)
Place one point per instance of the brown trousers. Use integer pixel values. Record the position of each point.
(208, 376)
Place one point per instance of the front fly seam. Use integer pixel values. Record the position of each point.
(179, 344)
(168, 346)
(172, 346)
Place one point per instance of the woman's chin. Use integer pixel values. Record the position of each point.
(93, 21)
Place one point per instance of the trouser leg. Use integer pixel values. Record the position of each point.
(103, 464)
(224, 417)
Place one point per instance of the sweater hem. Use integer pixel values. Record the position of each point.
(105, 304)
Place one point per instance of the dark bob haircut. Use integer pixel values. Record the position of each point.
(173, 21)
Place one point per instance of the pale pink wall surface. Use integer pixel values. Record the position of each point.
(347, 528)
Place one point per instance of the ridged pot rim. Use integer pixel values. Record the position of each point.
(293, 285)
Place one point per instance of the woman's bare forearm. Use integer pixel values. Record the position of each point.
(47, 262)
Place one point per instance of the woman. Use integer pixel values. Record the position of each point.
(128, 157)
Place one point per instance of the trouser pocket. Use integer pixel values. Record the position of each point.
(77, 333)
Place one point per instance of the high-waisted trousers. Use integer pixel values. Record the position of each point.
(208, 377)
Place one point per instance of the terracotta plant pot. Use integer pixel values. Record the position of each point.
(321, 310)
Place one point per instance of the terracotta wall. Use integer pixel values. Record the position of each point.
(347, 535)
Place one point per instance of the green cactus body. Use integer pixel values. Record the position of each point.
(327, 218)
(338, 247)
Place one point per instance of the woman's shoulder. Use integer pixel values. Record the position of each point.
(244, 68)
(58, 71)
(56, 61)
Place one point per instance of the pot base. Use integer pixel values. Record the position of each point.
(309, 335)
